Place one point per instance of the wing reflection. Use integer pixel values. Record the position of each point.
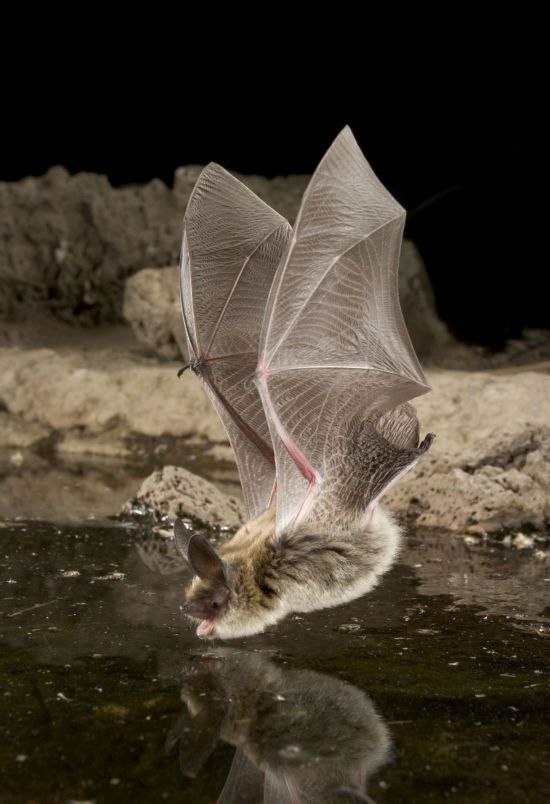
(300, 736)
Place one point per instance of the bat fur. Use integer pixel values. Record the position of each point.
(300, 344)
(268, 578)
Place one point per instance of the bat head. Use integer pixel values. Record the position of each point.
(227, 597)
(208, 596)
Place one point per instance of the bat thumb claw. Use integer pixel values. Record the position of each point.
(427, 442)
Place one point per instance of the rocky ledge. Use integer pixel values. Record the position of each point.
(487, 471)
(489, 468)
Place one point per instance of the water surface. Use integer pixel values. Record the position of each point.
(432, 688)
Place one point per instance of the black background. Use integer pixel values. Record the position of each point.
(455, 131)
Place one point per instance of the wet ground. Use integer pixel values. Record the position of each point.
(435, 687)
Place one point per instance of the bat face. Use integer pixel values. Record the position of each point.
(207, 604)
(236, 591)
(237, 614)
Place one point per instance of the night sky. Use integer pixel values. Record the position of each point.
(463, 149)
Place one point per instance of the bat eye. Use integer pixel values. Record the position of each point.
(215, 605)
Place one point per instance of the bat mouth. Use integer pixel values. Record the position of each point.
(205, 629)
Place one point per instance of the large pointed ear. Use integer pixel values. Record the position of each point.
(205, 562)
(182, 537)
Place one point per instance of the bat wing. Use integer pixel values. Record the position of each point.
(232, 245)
(244, 783)
(334, 348)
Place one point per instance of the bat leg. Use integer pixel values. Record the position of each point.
(302, 463)
(304, 466)
(307, 471)
(306, 503)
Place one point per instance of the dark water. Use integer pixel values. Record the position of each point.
(433, 688)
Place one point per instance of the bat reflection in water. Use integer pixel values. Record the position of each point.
(300, 736)
(299, 341)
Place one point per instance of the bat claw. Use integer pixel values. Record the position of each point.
(426, 443)
(183, 369)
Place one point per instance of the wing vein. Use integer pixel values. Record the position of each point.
(344, 367)
(185, 260)
(236, 282)
(318, 283)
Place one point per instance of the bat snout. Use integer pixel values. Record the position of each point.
(197, 611)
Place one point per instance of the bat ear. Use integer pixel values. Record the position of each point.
(182, 537)
(205, 562)
(200, 554)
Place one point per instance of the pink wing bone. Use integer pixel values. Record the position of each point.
(311, 474)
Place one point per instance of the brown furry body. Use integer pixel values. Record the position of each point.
(269, 577)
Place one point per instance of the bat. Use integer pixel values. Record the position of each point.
(300, 736)
(298, 338)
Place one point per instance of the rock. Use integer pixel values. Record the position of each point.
(173, 492)
(531, 352)
(490, 500)
(16, 432)
(489, 468)
(152, 307)
(349, 628)
(222, 453)
(69, 242)
(103, 401)
(472, 411)
(429, 334)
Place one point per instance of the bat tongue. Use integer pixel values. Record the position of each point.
(205, 628)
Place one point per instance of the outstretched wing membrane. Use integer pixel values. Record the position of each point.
(334, 348)
(232, 245)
